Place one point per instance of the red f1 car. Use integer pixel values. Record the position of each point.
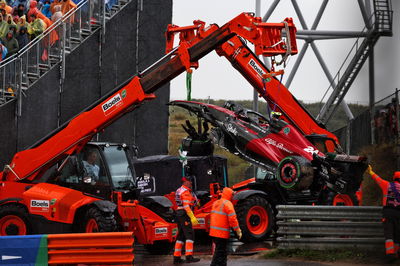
(297, 168)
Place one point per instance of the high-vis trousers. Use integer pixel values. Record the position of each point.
(185, 234)
(391, 226)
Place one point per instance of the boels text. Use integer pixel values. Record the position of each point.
(110, 103)
(256, 67)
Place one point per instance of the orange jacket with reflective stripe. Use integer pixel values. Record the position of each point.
(185, 199)
(223, 216)
(388, 196)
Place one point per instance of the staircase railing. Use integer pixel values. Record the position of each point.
(22, 70)
(381, 25)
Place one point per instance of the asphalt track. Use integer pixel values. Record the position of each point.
(239, 254)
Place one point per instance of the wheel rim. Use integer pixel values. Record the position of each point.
(257, 220)
(12, 225)
(342, 200)
(92, 226)
(288, 174)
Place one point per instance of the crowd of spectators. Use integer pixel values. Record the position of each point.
(23, 20)
(386, 123)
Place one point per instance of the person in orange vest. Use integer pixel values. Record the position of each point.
(391, 212)
(186, 200)
(222, 218)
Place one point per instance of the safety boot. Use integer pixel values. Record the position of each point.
(190, 259)
(178, 260)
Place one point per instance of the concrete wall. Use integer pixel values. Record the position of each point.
(92, 70)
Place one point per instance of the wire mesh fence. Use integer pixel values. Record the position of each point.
(377, 125)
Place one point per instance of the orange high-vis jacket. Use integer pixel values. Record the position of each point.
(185, 199)
(223, 216)
(387, 193)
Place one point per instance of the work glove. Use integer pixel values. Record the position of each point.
(193, 219)
(239, 233)
(369, 170)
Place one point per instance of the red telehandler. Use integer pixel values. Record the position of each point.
(48, 188)
(301, 162)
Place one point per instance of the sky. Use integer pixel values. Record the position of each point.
(217, 79)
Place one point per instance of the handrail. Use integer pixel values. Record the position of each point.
(45, 33)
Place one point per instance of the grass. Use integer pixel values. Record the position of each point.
(330, 255)
(383, 161)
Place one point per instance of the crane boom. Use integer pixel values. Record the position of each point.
(72, 136)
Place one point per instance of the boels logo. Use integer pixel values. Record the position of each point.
(253, 64)
(162, 230)
(40, 205)
(109, 106)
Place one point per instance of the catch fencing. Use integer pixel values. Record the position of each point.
(377, 125)
(330, 227)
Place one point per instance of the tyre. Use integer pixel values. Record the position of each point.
(98, 221)
(336, 199)
(160, 248)
(14, 220)
(256, 218)
(295, 173)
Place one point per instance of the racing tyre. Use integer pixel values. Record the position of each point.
(295, 173)
(336, 199)
(14, 220)
(98, 221)
(160, 248)
(256, 218)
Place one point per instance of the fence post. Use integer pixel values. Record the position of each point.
(397, 128)
(348, 135)
(19, 88)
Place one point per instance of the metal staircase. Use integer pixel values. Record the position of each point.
(380, 24)
(50, 49)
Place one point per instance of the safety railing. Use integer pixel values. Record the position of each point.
(326, 227)
(20, 71)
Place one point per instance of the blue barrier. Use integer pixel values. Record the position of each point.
(23, 250)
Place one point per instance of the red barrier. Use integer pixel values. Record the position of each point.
(91, 248)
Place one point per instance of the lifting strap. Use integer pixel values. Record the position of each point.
(189, 85)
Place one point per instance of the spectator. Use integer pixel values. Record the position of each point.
(6, 7)
(67, 5)
(25, 3)
(3, 27)
(3, 51)
(37, 26)
(57, 13)
(10, 43)
(22, 22)
(32, 10)
(46, 9)
(10, 22)
(22, 37)
(52, 5)
(20, 9)
(13, 28)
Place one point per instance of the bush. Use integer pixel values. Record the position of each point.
(383, 161)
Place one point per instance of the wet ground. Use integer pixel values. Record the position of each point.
(240, 254)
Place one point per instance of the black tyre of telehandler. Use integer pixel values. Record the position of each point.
(336, 199)
(256, 218)
(98, 221)
(14, 220)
